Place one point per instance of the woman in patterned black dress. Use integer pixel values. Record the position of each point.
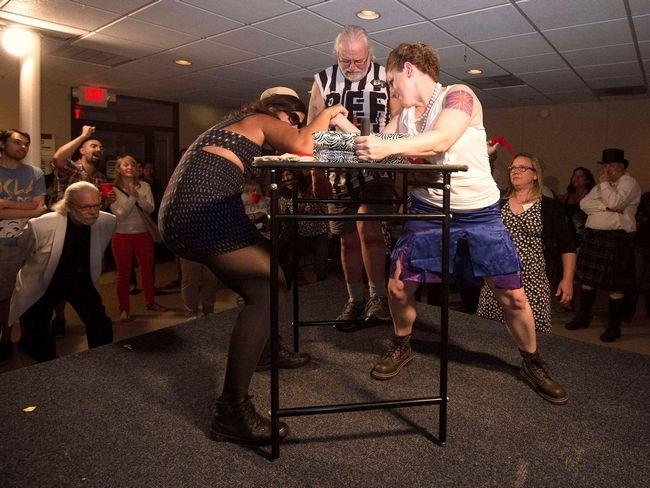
(538, 227)
(202, 218)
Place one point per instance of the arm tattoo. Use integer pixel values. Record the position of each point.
(460, 100)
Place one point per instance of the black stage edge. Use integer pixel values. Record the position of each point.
(136, 413)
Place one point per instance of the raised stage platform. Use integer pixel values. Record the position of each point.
(137, 412)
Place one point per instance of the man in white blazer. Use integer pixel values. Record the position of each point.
(64, 251)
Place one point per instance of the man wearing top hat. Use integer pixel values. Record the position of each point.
(606, 258)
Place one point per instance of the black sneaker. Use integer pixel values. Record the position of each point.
(377, 310)
(397, 356)
(353, 312)
(6, 352)
(535, 372)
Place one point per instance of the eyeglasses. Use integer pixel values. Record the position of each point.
(85, 208)
(357, 62)
(294, 119)
(521, 169)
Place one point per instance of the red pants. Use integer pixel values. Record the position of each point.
(124, 247)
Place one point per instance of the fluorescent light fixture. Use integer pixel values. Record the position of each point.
(474, 71)
(42, 24)
(368, 14)
(183, 62)
(17, 41)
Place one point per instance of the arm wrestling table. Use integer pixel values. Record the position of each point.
(275, 165)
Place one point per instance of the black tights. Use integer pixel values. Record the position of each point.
(246, 272)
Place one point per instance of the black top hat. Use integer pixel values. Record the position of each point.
(614, 155)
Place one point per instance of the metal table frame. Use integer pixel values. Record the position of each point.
(276, 167)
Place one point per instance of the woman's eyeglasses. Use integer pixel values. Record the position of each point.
(521, 169)
(294, 119)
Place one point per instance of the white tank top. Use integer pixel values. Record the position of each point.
(470, 190)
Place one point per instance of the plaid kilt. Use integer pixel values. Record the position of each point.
(606, 259)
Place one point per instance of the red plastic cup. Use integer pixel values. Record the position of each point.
(106, 188)
(255, 197)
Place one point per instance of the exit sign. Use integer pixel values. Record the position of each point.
(91, 96)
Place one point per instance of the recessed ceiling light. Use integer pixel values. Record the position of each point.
(368, 14)
(183, 62)
(474, 71)
(17, 41)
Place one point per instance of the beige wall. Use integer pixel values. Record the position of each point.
(570, 135)
(195, 119)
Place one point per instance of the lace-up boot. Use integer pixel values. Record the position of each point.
(237, 421)
(394, 359)
(352, 310)
(537, 375)
(377, 309)
(287, 359)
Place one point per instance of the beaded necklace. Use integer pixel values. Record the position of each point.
(422, 119)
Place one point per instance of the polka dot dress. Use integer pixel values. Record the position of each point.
(202, 213)
(526, 231)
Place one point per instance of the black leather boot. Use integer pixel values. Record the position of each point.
(613, 330)
(581, 320)
(237, 421)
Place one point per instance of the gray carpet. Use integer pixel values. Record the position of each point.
(136, 413)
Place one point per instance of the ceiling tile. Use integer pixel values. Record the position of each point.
(305, 58)
(639, 7)
(572, 97)
(147, 67)
(489, 69)
(114, 45)
(62, 12)
(551, 14)
(248, 11)
(609, 70)
(491, 23)
(603, 54)
(344, 12)
(138, 31)
(642, 27)
(459, 56)
(514, 46)
(644, 47)
(520, 94)
(118, 6)
(268, 67)
(255, 40)
(424, 32)
(591, 35)
(234, 73)
(185, 18)
(542, 62)
(203, 54)
(302, 26)
(67, 70)
(445, 8)
(554, 81)
(616, 82)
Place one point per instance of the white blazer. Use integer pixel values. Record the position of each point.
(42, 241)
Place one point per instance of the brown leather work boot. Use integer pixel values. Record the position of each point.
(394, 359)
(237, 421)
(537, 375)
